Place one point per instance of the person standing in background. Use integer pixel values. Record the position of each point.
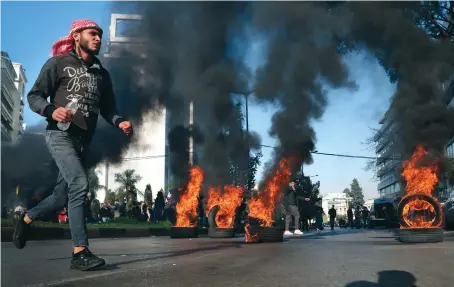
(332, 217)
(291, 209)
(350, 217)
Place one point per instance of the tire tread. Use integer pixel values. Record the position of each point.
(423, 235)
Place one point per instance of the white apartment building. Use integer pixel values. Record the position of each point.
(368, 203)
(20, 82)
(12, 90)
(339, 200)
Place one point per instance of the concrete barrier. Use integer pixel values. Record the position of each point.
(55, 233)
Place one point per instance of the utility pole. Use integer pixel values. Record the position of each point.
(106, 176)
(191, 139)
(246, 95)
(247, 140)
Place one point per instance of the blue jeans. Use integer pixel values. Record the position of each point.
(72, 183)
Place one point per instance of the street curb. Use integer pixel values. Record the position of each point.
(53, 233)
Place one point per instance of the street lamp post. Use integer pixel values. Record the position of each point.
(246, 95)
(191, 139)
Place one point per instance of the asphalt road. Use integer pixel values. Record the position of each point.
(350, 258)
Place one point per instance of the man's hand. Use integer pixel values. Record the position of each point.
(126, 127)
(62, 115)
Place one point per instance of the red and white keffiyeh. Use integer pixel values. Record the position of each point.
(65, 44)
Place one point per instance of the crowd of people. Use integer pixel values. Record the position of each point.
(304, 212)
(297, 211)
(161, 209)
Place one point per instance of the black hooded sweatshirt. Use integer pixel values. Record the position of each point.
(65, 77)
(291, 197)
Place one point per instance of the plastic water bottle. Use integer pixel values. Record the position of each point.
(72, 107)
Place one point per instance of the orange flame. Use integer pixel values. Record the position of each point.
(189, 199)
(263, 206)
(250, 237)
(424, 219)
(227, 202)
(421, 180)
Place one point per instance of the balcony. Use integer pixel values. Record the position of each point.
(382, 144)
(388, 181)
(5, 133)
(390, 166)
(384, 129)
(6, 114)
(6, 130)
(387, 155)
(8, 68)
(7, 97)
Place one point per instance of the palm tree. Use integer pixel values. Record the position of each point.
(128, 180)
(110, 196)
(93, 183)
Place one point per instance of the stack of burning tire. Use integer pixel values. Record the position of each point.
(262, 234)
(221, 210)
(186, 225)
(421, 215)
(259, 227)
(421, 219)
(218, 232)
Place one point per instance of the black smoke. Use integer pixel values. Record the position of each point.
(195, 52)
(302, 61)
(28, 165)
(186, 53)
(305, 45)
(178, 141)
(419, 64)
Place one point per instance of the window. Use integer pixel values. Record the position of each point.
(128, 28)
(450, 150)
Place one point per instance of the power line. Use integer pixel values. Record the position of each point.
(332, 154)
(143, 157)
(268, 146)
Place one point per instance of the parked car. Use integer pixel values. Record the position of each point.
(384, 212)
(448, 211)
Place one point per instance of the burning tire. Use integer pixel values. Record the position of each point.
(421, 235)
(271, 234)
(420, 211)
(217, 232)
(184, 232)
(212, 216)
(267, 234)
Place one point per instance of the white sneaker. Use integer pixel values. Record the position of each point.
(287, 233)
(298, 232)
